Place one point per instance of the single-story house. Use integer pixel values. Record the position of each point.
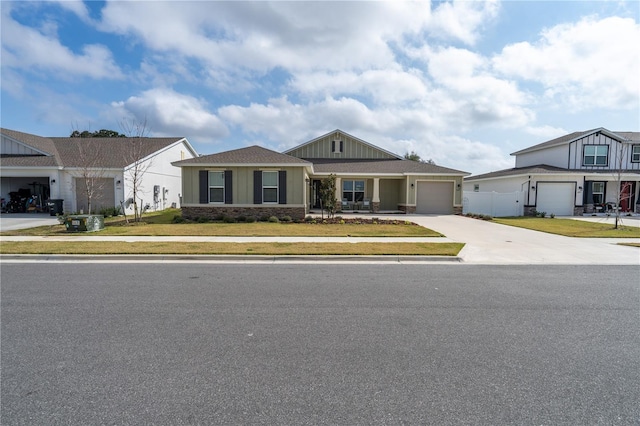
(256, 181)
(36, 169)
(575, 174)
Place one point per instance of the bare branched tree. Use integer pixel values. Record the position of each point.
(136, 131)
(622, 189)
(91, 173)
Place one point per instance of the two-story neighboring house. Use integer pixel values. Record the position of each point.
(580, 173)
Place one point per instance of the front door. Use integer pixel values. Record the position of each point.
(627, 195)
(316, 194)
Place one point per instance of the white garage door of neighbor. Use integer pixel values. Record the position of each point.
(434, 198)
(557, 198)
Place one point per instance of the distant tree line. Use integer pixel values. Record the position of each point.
(102, 133)
(413, 156)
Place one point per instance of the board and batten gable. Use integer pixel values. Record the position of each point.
(340, 145)
(570, 154)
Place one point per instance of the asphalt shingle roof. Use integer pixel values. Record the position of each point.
(80, 152)
(539, 169)
(380, 166)
(250, 155)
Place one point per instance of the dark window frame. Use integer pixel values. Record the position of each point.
(595, 155)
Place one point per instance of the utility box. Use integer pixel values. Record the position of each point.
(84, 223)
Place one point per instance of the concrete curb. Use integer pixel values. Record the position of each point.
(63, 258)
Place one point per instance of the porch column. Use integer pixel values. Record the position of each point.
(338, 192)
(375, 201)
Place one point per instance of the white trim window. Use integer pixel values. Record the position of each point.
(597, 191)
(353, 190)
(216, 187)
(270, 187)
(635, 154)
(595, 155)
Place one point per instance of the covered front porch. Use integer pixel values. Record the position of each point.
(363, 194)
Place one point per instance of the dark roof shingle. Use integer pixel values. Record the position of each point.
(251, 155)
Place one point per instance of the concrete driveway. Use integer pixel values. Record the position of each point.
(13, 221)
(492, 243)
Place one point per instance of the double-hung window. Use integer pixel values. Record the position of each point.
(635, 154)
(216, 187)
(595, 155)
(353, 190)
(270, 187)
(597, 190)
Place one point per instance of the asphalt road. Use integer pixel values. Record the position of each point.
(319, 344)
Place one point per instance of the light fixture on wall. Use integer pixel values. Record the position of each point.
(579, 188)
(53, 181)
(458, 187)
(533, 187)
(412, 185)
(118, 182)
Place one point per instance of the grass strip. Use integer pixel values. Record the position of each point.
(257, 229)
(629, 244)
(102, 247)
(571, 228)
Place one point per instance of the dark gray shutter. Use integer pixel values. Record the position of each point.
(333, 146)
(282, 187)
(228, 187)
(341, 146)
(257, 187)
(588, 192)
(204, 186)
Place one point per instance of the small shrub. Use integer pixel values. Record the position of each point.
(552, 215)
(219, 218)
(202, 220)
(229, 219)
(341, 221)
(241, 218)
(286, 219)
(250, 219)
(178, 219)
(309, 219)
(486, 217)
(265, 218)
(273, 219)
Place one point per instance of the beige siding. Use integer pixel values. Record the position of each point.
(352, 149)
(391, 193)
(242, 185)
(457, 199)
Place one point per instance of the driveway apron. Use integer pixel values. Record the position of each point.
(492, 243)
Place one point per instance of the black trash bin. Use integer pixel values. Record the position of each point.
(55, 207)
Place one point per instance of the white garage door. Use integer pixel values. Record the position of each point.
(556, 198)
(435, 198)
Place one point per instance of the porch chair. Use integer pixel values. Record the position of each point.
(366, 204)
(345, 204)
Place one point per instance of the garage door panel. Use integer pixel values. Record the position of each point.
(434, 198)
(557, 198)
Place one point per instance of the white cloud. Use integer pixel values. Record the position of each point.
(168, 113)
(76, 7)
(462, 20)
(591, 63)
(29, 49)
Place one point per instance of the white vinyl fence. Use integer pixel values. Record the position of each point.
(494, 204)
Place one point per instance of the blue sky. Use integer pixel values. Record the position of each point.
(463, 83)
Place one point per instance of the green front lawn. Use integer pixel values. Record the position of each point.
(265, 249)
(571, 228)
(160, 224)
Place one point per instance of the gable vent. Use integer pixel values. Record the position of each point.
(337, 146)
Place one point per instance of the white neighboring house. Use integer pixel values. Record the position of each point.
(44, 168)
(576, 174)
